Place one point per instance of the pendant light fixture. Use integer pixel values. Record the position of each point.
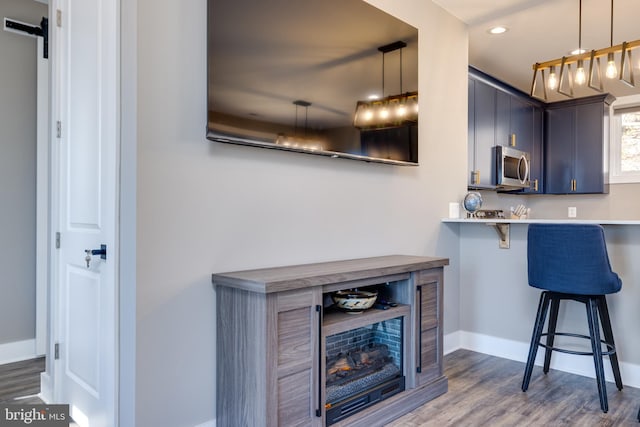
(581, 77)
(612, 71)
(563, 83)
(392, 110)
(304, 141)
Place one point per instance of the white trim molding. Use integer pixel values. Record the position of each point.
(616, 176)
(17, 351)
(46, 388)
(518, 351)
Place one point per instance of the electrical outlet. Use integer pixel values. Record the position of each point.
(572, 212)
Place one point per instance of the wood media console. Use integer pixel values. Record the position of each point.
(276, 330)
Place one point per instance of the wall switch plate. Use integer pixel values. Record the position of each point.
(572, 212)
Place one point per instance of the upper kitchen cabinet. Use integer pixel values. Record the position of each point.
(501, 115)
(519, 125)
(482, 127)
(576, 145)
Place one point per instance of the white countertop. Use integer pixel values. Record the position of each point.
(542, 221)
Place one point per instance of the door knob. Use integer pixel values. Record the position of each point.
(102, 252)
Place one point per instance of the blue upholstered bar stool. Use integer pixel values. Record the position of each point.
(570, 262)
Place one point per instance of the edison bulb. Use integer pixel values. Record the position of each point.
(384, 113)
(401, 111)
(552, 82)
(612, 71)
(581, 77)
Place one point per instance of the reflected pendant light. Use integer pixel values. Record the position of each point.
(392, 110)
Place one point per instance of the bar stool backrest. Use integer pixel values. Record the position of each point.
(570, 258)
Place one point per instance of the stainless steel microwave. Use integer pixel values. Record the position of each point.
(512, 167)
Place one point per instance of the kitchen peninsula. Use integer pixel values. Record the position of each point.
(497, 304)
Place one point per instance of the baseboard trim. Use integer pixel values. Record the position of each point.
(46, 388)
(518, 351)
(451, 342)
(17, 351)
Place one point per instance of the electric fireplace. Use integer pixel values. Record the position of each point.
(287, 356)
(364, 366)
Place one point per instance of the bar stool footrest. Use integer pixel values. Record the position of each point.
(579, 353)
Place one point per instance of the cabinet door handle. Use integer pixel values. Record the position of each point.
(535, 185)
(320, 352)
(513, 140)
(476, 177)
(419, 303)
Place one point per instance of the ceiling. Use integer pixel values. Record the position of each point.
(542, 30)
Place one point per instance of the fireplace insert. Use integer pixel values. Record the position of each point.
(363, 366)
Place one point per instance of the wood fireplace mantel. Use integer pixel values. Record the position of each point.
(271, 333)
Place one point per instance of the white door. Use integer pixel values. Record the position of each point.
(85, 103)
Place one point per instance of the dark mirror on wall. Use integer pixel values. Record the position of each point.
(297, 75)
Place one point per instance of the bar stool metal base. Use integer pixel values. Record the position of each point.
(596, 306)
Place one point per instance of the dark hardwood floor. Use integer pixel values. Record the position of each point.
(20, 381)
(485, 391)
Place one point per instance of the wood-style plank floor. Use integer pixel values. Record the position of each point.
(20, 381)
(485, 391)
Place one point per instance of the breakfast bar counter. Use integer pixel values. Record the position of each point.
(543, 221)
(497, 303)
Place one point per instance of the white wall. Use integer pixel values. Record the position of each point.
(206, 207)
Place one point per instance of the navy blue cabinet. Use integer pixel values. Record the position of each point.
(576, 145)
(537, 153)
(501, 115)
(482, 134)
(519, 125)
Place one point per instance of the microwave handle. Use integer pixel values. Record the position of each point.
(526, 168)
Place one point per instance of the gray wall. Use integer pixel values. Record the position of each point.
(18, 173)
(496, 300)
(207, 207)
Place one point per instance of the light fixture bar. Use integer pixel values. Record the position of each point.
(587, 55)
(626, 74)
(594, 80)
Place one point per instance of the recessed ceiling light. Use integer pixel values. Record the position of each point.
(577, 51)
(497, 30)
(373, 97)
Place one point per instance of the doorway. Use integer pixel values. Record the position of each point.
(23, 181)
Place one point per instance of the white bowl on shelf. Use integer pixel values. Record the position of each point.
(354, 301)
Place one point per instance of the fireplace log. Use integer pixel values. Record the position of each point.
(357, 363)
(341, 363)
